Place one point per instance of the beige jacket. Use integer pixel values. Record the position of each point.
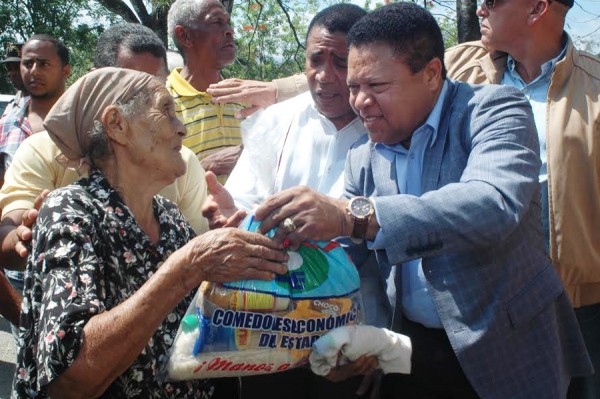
(573, 148)
(291, 86)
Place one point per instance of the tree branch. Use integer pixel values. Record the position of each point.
(121, 9)
(228, 4)
(300, 66)
(291, 24)
(255, 27)
(142, 13)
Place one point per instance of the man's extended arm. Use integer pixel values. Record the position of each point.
(223, 161)
(15, 231)
(477, 205)
(259, 94)
(33, 173)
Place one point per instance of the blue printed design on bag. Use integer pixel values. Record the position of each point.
(318, 269)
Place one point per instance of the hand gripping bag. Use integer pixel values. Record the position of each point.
(257, 327)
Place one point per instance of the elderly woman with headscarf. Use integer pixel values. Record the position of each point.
(113, 266)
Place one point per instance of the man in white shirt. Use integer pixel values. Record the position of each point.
(299, 142)
(291, 144)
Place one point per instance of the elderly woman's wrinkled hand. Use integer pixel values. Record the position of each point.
(230, 254)
(303, 214)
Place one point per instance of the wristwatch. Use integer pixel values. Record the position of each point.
(361, 209)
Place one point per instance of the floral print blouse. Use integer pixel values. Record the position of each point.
(89, 255)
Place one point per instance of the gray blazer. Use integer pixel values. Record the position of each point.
(477, 228)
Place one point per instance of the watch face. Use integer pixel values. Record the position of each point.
(360, 207)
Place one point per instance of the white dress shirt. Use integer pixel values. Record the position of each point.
(291, 144)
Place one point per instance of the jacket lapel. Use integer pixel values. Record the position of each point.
(493, 66)
(432, 160)
(384, 173)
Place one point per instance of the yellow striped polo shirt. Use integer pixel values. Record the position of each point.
(210, 127)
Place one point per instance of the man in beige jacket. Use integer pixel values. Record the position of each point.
(524, 45)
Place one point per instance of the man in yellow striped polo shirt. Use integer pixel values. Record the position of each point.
(203, 34)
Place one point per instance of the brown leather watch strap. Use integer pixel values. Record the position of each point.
(360, 228)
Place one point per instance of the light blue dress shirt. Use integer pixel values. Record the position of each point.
(417, 304)
(537, 93)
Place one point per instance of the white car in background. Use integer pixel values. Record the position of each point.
(4, 100)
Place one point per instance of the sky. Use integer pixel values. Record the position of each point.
(584, 18)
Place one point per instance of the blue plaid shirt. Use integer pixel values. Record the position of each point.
(14, 128)
(17, 102)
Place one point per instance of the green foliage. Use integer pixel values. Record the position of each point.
(77, 23)
(270, 39)
(447, 23)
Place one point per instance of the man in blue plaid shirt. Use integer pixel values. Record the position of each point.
(14, 128)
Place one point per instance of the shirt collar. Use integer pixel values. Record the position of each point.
(432, 123)
(182, 86)
(434, 118)
(20, 112)
(325, 121)
(547, 67)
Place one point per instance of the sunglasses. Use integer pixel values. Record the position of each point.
(489, 4)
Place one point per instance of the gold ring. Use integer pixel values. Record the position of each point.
(289, 225)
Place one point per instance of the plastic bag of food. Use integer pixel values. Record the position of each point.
(257, 327)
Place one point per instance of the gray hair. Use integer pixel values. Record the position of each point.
(97, 145)
(183, 12)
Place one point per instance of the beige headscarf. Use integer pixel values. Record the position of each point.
(71, 119)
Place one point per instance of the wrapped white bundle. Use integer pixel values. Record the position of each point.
(346, 344)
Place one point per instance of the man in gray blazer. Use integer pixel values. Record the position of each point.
(445, 190)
